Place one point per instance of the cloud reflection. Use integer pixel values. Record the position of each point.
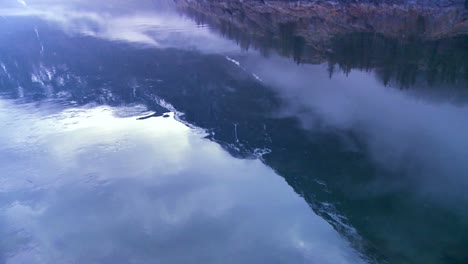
(96, 188)
(148, 27)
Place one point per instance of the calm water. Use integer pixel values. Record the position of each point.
(133, 134)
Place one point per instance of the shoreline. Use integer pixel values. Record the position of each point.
(318, 21)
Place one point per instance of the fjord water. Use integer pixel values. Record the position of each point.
(132, 134)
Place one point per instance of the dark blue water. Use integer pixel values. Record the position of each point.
(132, 134)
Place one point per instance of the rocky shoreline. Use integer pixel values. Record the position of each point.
(318, 21)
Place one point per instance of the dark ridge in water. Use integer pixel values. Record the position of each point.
(394, 225)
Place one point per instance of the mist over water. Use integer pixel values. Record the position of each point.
(421, 140)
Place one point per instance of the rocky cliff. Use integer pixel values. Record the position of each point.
(316, 21)
(402, 41)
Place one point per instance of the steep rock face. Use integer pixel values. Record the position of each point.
(317, 21)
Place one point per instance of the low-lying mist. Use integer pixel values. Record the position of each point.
(421, 142)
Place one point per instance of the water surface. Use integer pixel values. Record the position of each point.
(132, 134)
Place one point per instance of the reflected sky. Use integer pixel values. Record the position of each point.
(146, 23)
(90, 187)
